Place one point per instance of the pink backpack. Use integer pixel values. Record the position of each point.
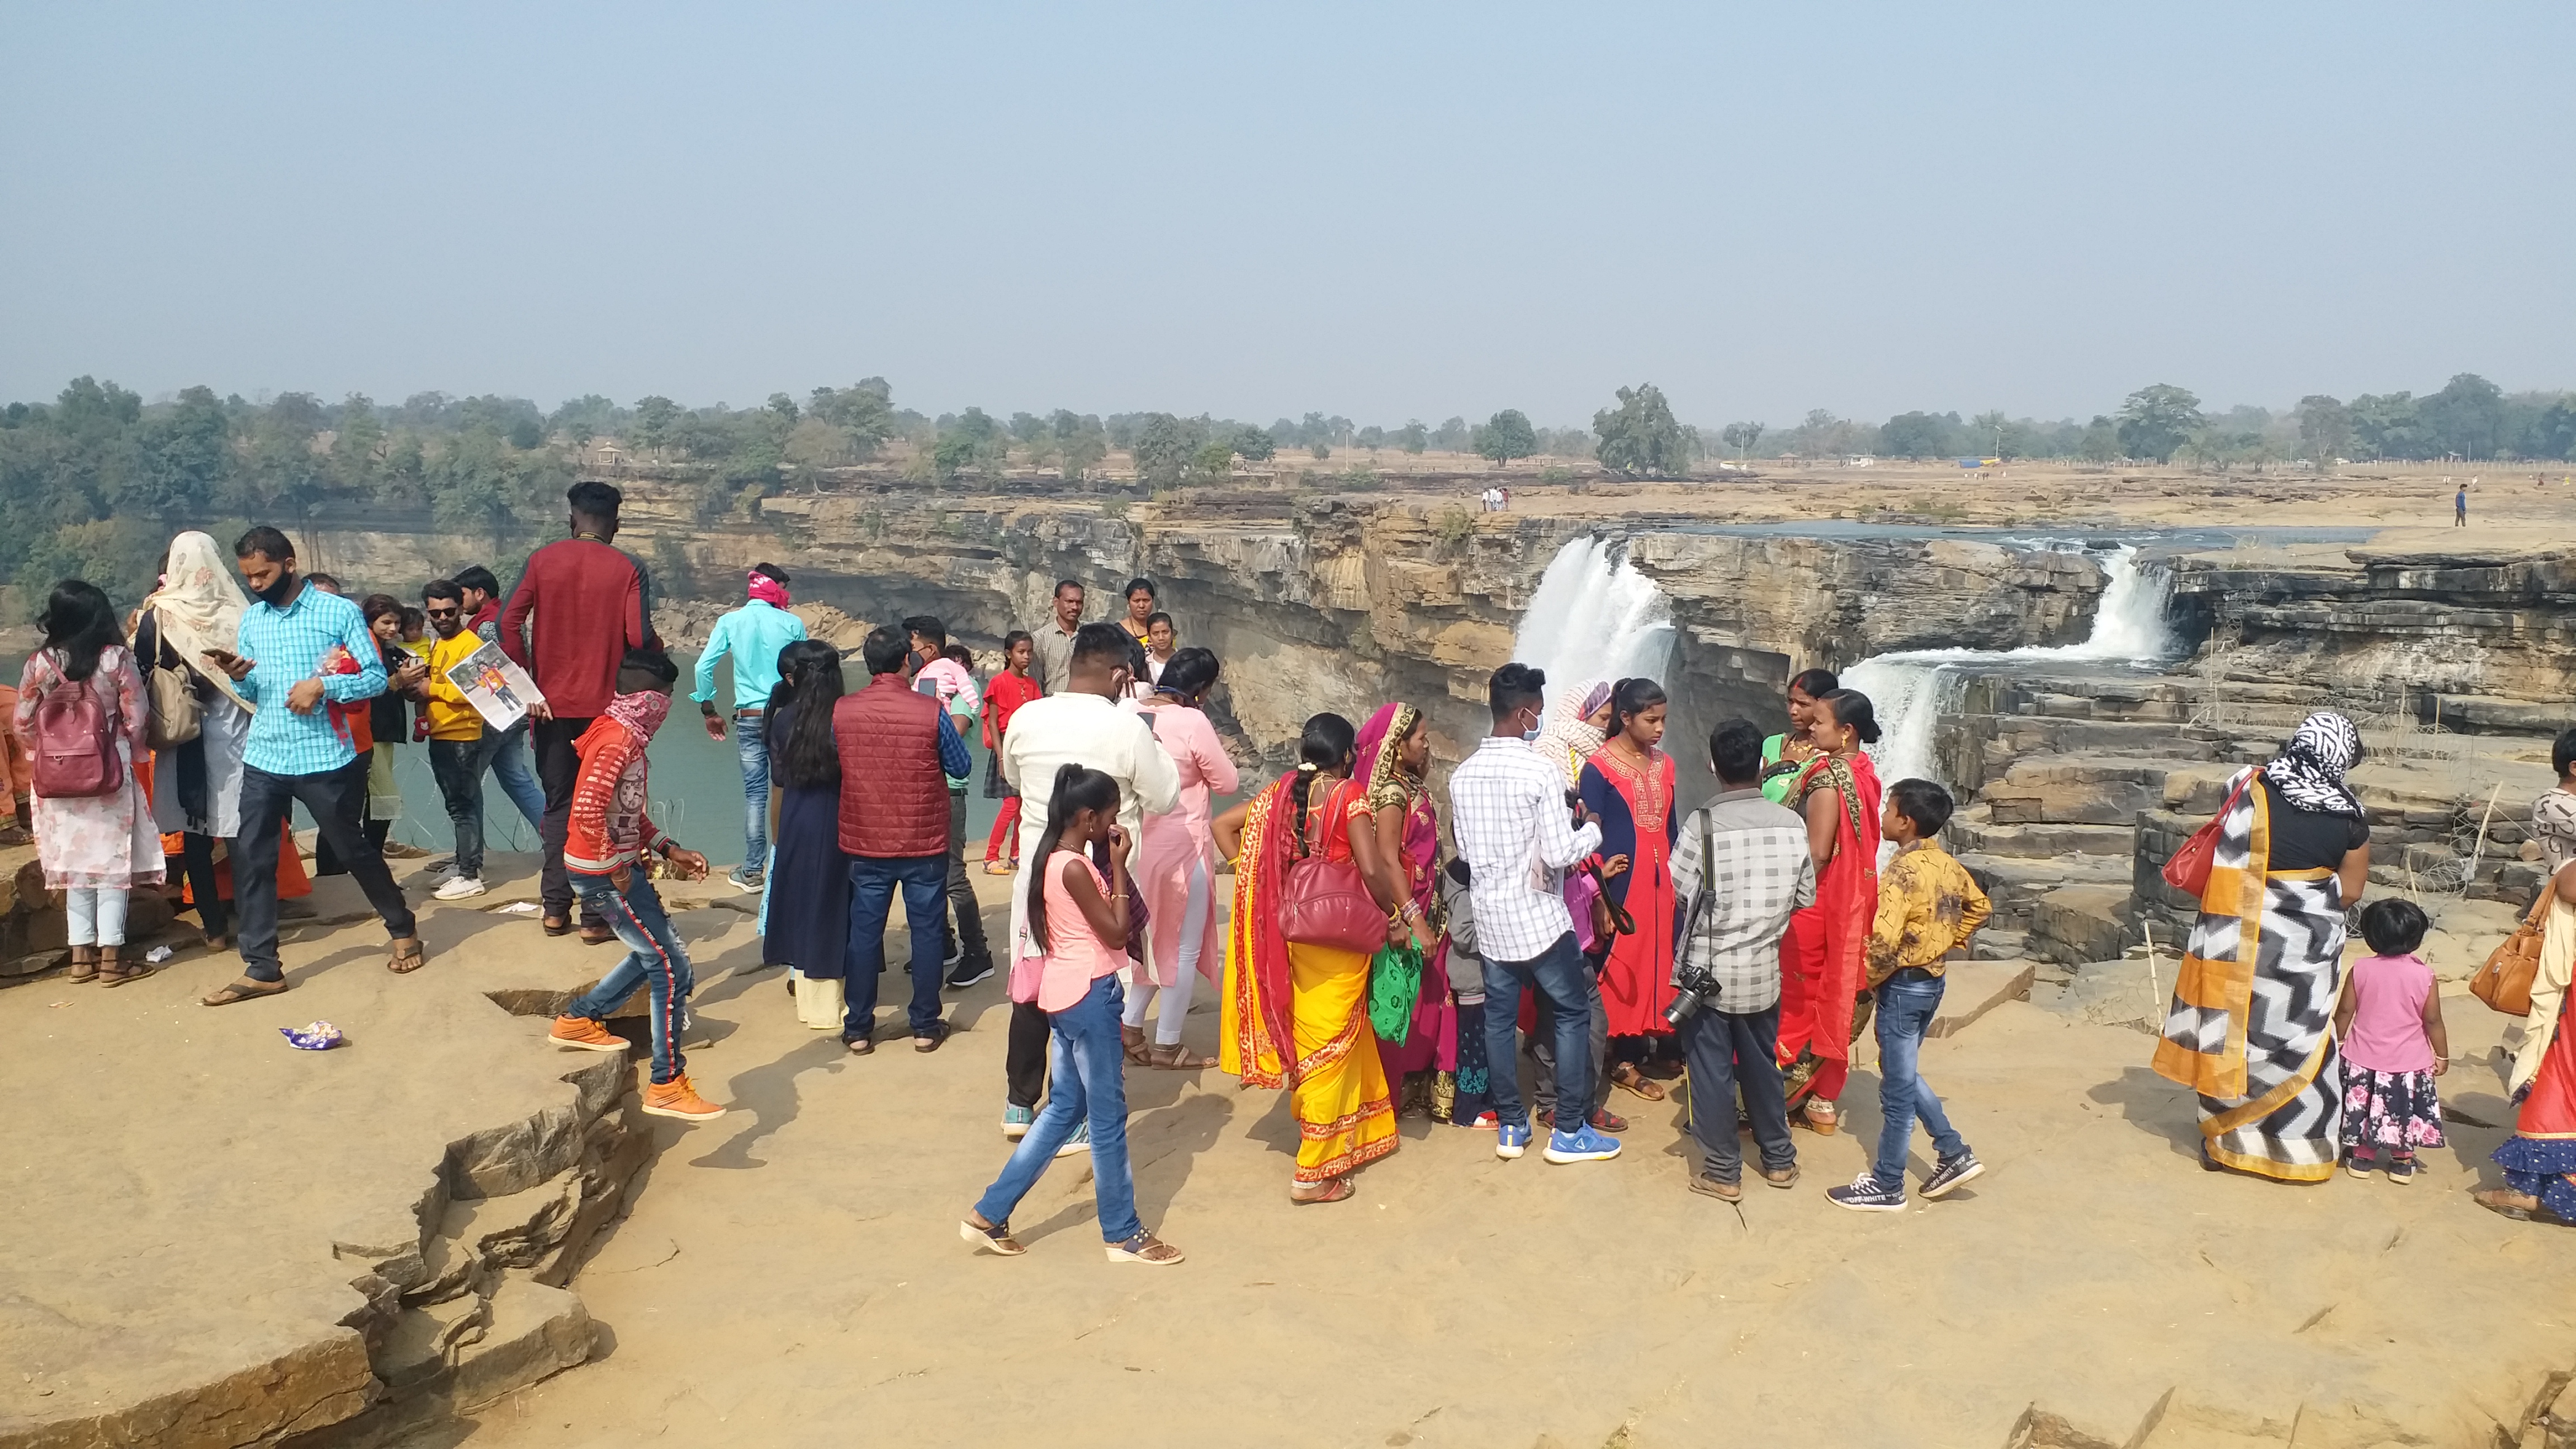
(73, 746)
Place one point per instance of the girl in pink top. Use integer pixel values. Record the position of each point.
(1178, 868)
(2389, 1025)
(1078, 917)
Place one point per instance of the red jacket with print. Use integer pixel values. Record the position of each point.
(609, 826)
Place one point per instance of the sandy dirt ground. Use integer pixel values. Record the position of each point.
(792, 1273)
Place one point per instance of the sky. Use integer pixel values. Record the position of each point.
(1386, 212)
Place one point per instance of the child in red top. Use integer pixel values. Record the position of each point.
(609, 831)
(1002, 698)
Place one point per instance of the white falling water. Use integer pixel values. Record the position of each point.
(1912, 689)
(1595, 617)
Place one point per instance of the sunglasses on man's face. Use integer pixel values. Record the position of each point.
(444, 613)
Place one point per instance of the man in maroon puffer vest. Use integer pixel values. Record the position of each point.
(897, 751)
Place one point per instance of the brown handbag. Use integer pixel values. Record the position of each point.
(2504, 982)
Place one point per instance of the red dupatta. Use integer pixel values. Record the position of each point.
(1265, 1023)
(1846, 893)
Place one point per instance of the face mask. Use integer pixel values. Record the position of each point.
(276, 594)
(1530, 735)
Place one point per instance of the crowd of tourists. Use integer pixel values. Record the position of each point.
(1584, 915)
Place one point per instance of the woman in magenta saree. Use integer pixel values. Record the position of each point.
(1395, 758)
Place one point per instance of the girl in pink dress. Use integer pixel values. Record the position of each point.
(94, 848)
(2389, 1025)
(1176, 869)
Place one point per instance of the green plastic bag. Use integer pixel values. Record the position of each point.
(1395, 983)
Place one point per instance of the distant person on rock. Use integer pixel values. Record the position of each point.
(592, 603)
(1741, 869)
(293, 753)
(898, 751)
(1928, 907)
(1052, 645)
(2253, 1004)
(1785, 755)
(610, 828)
(2460, 507)
(1088, 725)
(1824, 956)
(752, 635)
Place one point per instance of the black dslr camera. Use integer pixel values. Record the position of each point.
(1692, 993)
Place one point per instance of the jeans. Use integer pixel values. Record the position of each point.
(1905, 1009)
(335, 799)
(1727, 1050)
(457, 766)
(557, 768)
(197, 864)
(326, 861)
(1090, 1084)
(872, 886)
(1543, 1053)
(961, 887)
(655, 960)
(506, 755)
(751, 742)
(97, 915)
(1559, 975)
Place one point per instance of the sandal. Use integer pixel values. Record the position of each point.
(1337, 1190)
(996, 1238)
(554, 925)
(861, 1046)
(243, 989)
(1636, 1082)
(84, 964)
(112, 971)
(404, 962)
(995, 867)
(1177, 1058)
(2508, 1203)
(1133, 1039)
(1820, 1117)
(597, 935)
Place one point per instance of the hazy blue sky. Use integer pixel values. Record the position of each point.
(1383, 211)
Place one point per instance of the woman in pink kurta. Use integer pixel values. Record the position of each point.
(94, 848)
(1176, 869)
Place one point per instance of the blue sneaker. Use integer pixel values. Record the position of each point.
(1585, 1145)
(1016, 1121)
(1511, 1141)
(1080, 1141)
(1865, 1195)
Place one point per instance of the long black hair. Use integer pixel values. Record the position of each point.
(1076, 789)
(79, 621)
(1631, 698)
(809, 678)
(1851, 707)
(1326, 743)
(1189, 674)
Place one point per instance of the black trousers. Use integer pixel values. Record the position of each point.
(961, 886)
(1025, 1058)
(557, 768)
(197, 863)
(335, 798)
(1729, 1050)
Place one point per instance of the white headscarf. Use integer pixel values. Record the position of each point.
(199, 606)
(1569, 737)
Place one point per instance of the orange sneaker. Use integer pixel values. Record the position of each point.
(582, 1032)
(676, 1098)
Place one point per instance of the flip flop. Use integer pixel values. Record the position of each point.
(417, 956)
(244, 989)
(554, 927)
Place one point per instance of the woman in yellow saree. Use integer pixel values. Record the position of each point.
(1310, 1000)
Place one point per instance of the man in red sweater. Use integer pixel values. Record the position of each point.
(898, 750)
(593, 602)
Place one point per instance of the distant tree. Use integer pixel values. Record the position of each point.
(1215, 460)
(357, 449)
(2466, 417)
(1256, 445)
(1413, 437)
(2387, 425)
(655, 419)
(1640, 437)
(1027, 427)
(1319, 450)
(1162, 450)
(2100, 441)
(864, 411)
(1082, 452)
(1505, 436)
(1912, 435)
(526, 433)
(2156, 420)
(1371, 437)
(2325, 428)
(584, 418)
(1453, 436)
(970, 442)
(1741, 437)
(1994, 431)
(2553, 433)
(784, 409)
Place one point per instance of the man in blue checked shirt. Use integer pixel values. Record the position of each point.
(301, 651)
(753, 635)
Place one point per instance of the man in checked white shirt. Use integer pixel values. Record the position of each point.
(1517, 833)
(1741, 868)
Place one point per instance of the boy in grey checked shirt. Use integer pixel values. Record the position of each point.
(1742, 867)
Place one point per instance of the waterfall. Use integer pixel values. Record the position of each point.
(1595, 617)
(1912, 689)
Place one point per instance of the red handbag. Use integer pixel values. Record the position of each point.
(1326, 903)
(2188, 870)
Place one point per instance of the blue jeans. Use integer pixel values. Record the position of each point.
(1090, 1084)
(872, 884)
(1905, 1009)
(1563, 982)
(655, 959)
(751, 742)
(507, 755)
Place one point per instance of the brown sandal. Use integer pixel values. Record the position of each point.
(404, 962)
(1133, 1039)
(1337, 1190)
(1636, 1082)
(112, 971)
(1176, 1058)
(84, 965)
(243, 989)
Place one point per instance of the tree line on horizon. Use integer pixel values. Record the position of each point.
(96, 480)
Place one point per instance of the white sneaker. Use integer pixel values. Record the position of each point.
(463, 887)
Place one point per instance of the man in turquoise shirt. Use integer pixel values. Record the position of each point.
(753, 635)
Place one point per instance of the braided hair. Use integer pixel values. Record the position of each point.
(1327, 743)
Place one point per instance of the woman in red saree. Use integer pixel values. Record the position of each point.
(1821, 965)
(2539, 1159)
(1628, 782)
(1394, 758)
